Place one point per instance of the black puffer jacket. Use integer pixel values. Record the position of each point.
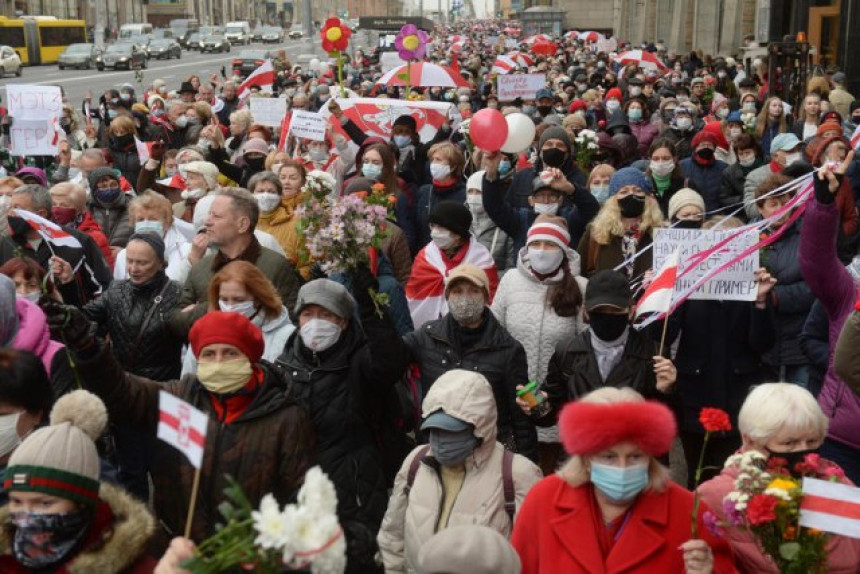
(120, 313)
(438, 348)
(342, 389)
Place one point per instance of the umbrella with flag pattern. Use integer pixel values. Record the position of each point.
(424, 74)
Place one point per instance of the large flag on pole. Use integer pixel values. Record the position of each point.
(263, 76)
(50, 231)
(182, 426)
(658, 295)
(831, 507)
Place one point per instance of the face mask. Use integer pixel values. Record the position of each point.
(608, 327)
(267, 201)
(747, 162)
(545, 261)
(442, 238)
(634, 114)
(111, 114)
(125, 97)
(171, 172)
(553, 157)
(600, 193)
(631, 206)
(192, 121)
(439, 171)
(619, 484)
(9, 438)
(684, 123)
(402, 141)
(687, 224)
(192, 194)
(44, 540)
(225, 377)
(475, 203)
(246, 308)
(735, 132)
(32, 297)
(63, 215)
(371, 170)
(855, 120)
(749, 106)
(529, 110)
(149, 226)
(123, 141)
(181, 121)
(318, 155)
(319, 334)
(255, 163)
(721, 75)
(108, 195)
(546, 208)
(723, 113)
(791, 158)
(793, 458)
(452, 448)
(466, 309)
(544, 110)
(612, 105)
(204, 144)
(662, 168)
(635, 91)
(706, 154)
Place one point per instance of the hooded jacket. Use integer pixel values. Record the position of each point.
(412, 517)
(89, 226)
(34, 336)
(112, 219)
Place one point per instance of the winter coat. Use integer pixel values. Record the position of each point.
(645, 133)
(435, 348)
(678, 181)
(176, 250)
(792, 295)
(89, 226)
(832, 284)
(555, 532)
(127, 162)
(843, 553)
(683, 141)
(732, 186)
(395, 246)
(841, 101)
(845, 360)
(266, 449)
(428, 196)
(34, 336)
(152, 350)
(520, 189)
(343, 389)
(497, 242)
(707, 180)
(413, 514)
(282, 224)
(754, 179)
(595, 257)
(815, 343)
(117, 544)
(112, 219)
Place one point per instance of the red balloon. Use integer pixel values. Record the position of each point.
(488, 129)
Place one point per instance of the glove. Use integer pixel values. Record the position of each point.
(362, 282)
(68, 324)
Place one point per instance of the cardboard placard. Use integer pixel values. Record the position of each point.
(35, 113)
(268, 111)
(310, 125)
(525, 86)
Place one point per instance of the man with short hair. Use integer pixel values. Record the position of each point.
(839, 97)
(230, 97)
(69, 208)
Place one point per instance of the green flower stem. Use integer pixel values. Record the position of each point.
(340, 74)
(696, 496)
(408, 77)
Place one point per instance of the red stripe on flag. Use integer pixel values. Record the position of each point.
(841, 508)
(173, 422)
(662, 281)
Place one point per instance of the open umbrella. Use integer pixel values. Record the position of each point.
(591, 36)
(536, 38)
(424, 74)
(544, 47)
(643, 59)
(521, 59)
(504, 65)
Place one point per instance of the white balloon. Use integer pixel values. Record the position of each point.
(521, 133)
(314, 64)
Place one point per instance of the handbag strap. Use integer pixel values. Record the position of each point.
(147, 318)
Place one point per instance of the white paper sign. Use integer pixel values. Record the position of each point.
(607, 46)
(736, 283)
(308, 125)
(525, 86)
(389, 61)
(268, 111)
(35, 112)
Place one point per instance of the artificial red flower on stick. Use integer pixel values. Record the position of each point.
(335, 40)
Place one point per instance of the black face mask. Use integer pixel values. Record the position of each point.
(631, 206)
(855, 120)
(544, 110)
(706, 154)
(122, 142)
(553, 157)
(255, 163)
(687, 223)
(793, 458)
(607, 327)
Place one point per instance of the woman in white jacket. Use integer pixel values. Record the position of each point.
(540, 304)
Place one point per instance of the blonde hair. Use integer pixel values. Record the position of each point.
(451, 154)
(122, 125)
(725, 222)
(243, 117)
(772, 407)
(152, 201)
(599, 171)
(608, 224)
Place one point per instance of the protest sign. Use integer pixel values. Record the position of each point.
(268, 111)
(389, 61)
(35, 113)
(523, 86)
(375, 116)
(308, 125)
(607, 45)
(735, 283)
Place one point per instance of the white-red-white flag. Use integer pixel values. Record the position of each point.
(658, 296)
(855, 139)
(263, 76)
(143, 149)
(831, 507)
(50, 231)
(176, 181)
(182, 426)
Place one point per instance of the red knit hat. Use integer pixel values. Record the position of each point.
(828, 127)
(588, 428)
(614, 93)
(816, 148)
(549, 228)
(716, 130)
(577, 105)
(228, 329)
(705, 137)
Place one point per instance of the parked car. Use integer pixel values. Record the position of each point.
(121, 55)
(271, 34)
(214, 44)
(247, 61)
(296, 32)
(165, 48)
(78, 56)
(193, 42)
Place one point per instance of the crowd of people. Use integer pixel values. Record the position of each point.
(506, 275)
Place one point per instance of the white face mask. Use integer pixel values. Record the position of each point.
(546, 208)
(545, 261)
(439, 171)
(267, 201)
(318, 155)
(442, 238)
(662, 168)
(9, 438)
(612, 105)
(791, 158)
(193, 193)
(246, 308)
(746, 162)
(735, 132)
(32, 297)
(635, 91)
(684, 123)
(319, 334)
(475, 203)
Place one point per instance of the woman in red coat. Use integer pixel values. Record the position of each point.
(612, 507)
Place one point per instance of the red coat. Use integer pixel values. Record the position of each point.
(89, 226)
(554, 533)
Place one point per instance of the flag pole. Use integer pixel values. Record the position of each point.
(663, 336)
(194, 488)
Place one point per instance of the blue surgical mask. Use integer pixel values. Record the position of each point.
(154, 227)
(452, 448)
(504, 167)
(371, 170)
(402, 141)
(617, 483)
(634, 114)
(600, 193)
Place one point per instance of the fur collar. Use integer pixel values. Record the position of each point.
(121, 546)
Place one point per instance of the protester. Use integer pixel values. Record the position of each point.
(69, 207)
(109, 206)
(665, 172)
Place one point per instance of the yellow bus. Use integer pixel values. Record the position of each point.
(41, 39)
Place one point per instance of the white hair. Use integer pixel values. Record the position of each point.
(773, 407)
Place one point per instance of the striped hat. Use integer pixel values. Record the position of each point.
(549, 228)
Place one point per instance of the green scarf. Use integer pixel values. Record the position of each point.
(662, 183)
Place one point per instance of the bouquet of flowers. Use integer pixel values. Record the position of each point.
(749, 120)
(586, 147)
(766, 503)
(268, 540)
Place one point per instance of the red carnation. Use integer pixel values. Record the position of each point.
(762, 509)
(715, 420)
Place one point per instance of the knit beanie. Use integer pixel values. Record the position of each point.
(549, 228)
(453, 216)
(555, 133)
(682, 198)
(8, 312)
(61, 459)
(208, 170)
(153, 240)
(100, 172)
(218, 327)
(705, 137)
(828, 127)
(255, 145)
(614, 93)
(629, 176)
(329, 295)
(476, 181)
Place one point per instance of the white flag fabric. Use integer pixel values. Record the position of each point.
(182, 426)
(50, 231)
(831, 507)
(658, 295)
(263, 76)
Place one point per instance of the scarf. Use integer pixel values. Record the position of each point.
(608, 354)
(661, 184)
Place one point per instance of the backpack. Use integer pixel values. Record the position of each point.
(507, 478)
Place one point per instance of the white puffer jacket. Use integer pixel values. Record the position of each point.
(410, 520)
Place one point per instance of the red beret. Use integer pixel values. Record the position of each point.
(227, 329)
(614, 93)
(705, 137)
(577, 105)
(828, 127)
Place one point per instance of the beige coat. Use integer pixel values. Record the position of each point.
(411, 519)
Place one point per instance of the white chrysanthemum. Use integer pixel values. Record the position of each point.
(270, 524)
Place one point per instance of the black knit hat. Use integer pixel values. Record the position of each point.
(453, 216)
(407, 121)
(154, 241)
